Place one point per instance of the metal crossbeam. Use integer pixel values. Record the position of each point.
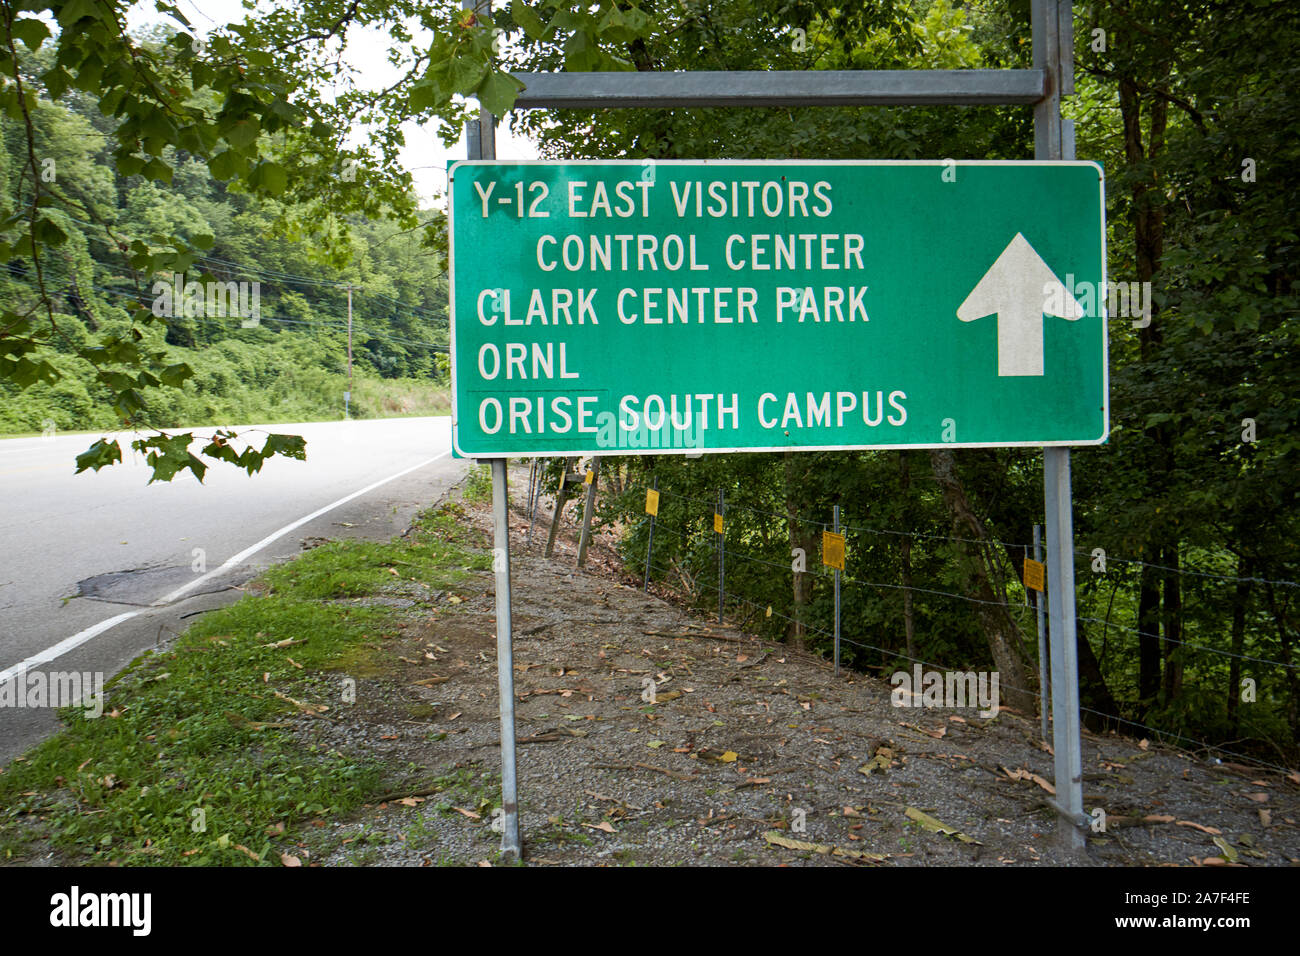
(700, 88)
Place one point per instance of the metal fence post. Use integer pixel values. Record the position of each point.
(837, 600)
(1044, 688)
(722, 553)
(650, 544)
(584, 540)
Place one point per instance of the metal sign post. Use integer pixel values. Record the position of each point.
(481, 144)
(1053, 28)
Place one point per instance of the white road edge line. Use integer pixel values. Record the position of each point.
(81, 637)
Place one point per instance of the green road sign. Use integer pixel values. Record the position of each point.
(660, 307)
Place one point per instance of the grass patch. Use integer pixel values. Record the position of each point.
(199, 757)
(478, 485)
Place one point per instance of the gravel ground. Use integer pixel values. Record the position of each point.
(748, 743)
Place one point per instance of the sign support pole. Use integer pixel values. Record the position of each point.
(481, 144)
(1053, 41)
(510, 849)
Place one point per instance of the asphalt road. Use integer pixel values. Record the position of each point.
(96, 568)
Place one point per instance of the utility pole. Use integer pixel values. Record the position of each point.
(347, 395)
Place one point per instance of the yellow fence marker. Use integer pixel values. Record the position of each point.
(1035, 575)
(652, 502)
(589, 477)
(717, 523)
(833, 550)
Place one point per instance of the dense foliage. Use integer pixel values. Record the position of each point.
(1186, 522)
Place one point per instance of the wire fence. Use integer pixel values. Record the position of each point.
(754, 585)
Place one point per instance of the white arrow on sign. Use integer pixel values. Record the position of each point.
(1020, 289)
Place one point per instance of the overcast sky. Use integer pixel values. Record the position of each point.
(424, 156)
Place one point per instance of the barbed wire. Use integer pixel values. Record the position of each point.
(1156, 732)
(844, 527)
(1174, 640)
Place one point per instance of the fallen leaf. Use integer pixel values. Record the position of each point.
(936, 826)
(1266, 818)
(654, 744)
(728, 757)
(287, 642)
(1157, 818)
(602, 825)
(1229, 852)
(1196, 826)
(251, 855)
(411, 801)
(1143, 744)
(1257, 797)
(777, 839)
(1021, 774)
(469, 813)
(936, 734)
(741, 658)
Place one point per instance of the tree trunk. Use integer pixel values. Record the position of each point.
(561, 499)
(1173, 615)
(999, 628)
(800, 537)
(1093, 692)
(1148, 220)
(909, 625)
(1149, 636)
(1286, 638)
(1240, 601)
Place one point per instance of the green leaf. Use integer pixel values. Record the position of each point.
(467, 73)
(243, 134)
(272, 177)
(527, 19)
(287, 446)
(103, 452)
(75, 10)
(32, 32)
(176, 375)
(225, 165)
(497, 93)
